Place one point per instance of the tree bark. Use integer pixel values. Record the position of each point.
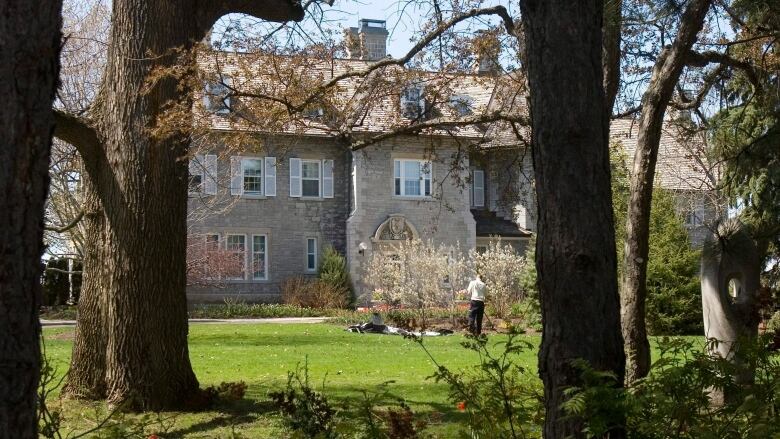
(666, 73)
(139, 273)
(87, 373)
(29, 50)
(575, 251)
(613, 21)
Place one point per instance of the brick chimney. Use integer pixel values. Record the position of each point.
(368, 41)
(487, 49)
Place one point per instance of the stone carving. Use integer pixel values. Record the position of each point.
(395, 228)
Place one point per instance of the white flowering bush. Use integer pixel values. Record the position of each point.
(503, 271)
(420, 275)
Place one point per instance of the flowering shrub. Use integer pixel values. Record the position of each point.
(417, 274)
(421, 275)
(208, 263)
(503, 271)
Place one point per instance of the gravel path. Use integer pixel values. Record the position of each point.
(58, 323)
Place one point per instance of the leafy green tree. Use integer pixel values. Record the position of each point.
(673, 290)
(746, 132)
(674, 300)
(333, 271)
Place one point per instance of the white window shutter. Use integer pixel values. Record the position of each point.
(327, 178)
(270, 176)
(210, 180)
(236, 176)
(295, 177)
(479, 188)
(471, 189)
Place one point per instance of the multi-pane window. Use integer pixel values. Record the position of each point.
(216, 97)
(252, 171)
(311, 254)
(412, 178)
(310, 177)
(212, 242)
(235, 245)
(195, 182)
(462, 104)
(259, 259)
(413, 101)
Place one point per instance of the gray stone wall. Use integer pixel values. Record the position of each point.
(444, 218)
(286, 221)
(509, 188)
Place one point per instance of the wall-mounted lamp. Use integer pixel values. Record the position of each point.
(362, 247)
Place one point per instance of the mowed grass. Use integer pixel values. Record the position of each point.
(261, 355)
(341, 364)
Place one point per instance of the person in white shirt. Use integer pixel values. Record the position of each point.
(476, 291)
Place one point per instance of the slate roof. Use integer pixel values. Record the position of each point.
(679, 165)
(490, 224)
(681, 162)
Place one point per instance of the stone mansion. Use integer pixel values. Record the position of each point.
(276, 207)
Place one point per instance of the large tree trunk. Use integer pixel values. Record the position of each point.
(141, 182)
(575, 251)
(613, 21)
(87, 374)
(666, 73)
(29, 50)
(143, 195)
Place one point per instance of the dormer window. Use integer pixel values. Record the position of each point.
(413, 101)
(463, 105)
(314, 113)
(216, 97)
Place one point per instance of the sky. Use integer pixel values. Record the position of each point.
(403, 18)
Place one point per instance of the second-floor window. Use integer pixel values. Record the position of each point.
(310, 178)
(203, 175)
(252, 174)
(412, 178)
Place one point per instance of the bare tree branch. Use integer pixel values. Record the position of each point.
(501, 11)
(439, 123)
(701, 59)
(66, 227)
(57, 270)
(78, 132)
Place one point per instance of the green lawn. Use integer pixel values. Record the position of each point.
(261, 355)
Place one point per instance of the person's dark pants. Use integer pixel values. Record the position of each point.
(476, 312)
